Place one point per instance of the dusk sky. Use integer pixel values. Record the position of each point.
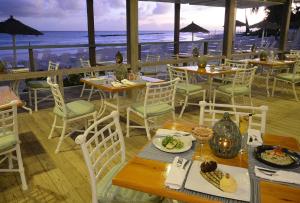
(110, 15)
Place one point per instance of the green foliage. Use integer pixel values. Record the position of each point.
(2, 66)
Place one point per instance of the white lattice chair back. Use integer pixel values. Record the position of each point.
(296, 69)
(52, 66)
(8, 119)
(86, 64)
(152, 58)
(58, 98)
(236, 63)
(244, 77)
(175, 73)
(103, 147)
(211, 113)
(160, 93)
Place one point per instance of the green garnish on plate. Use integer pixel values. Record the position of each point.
(171, 142)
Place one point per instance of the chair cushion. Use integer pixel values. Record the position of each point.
(153, 109)
(289, 77)
(108, 193)
(238, 90)
(187, 88)
(38, 84)
(76, 108)
(7, 140)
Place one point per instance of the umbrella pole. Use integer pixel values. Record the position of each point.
(192, 40)
(14, 51)
(262, 38)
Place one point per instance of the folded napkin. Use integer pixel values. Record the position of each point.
(177, 173)
(117, 84)
(280, 176)
(254, 137)
(128, 82)
(97, 78)
(166, 132)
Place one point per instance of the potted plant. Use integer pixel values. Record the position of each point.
(2, 67)
(202, 61)
(263, 55)
(195, 52)
(119, 57)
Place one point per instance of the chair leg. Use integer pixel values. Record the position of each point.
(233, 104)
(214, 101)
(62, 136)
(147, 129)
(35, 100)
(127, 123)
(294, 90)
(82, 90)
(274, 85)
(21, 168)
(250, 98)
(53, 127)
(29, 97)
(91, 92)
(10, 160)
(184, 105)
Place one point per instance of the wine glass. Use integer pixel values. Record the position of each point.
(203, 135)
(244, 125)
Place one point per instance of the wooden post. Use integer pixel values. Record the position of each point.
(176, 27)
(31, 59)
(205, 48)
(91, 31)
(132, 33)
(140, 51)
(229, 27)
(285, 24)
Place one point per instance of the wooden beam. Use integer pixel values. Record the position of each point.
(91, 31)
(176, 27)
(285, 24)
(132, 33)
(229, 27)
(31, 60)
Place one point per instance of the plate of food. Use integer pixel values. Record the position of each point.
(173, 144)
(277, 157)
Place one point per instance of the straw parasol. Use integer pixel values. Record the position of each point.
(193, 28)
(14, 27)
(239, 24)
(265, 25)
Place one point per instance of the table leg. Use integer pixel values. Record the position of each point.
(267, 82)
(210, 81)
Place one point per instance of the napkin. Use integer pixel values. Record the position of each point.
(280, 176)
(166, 132)
(256, 137)
(177, 174)
(97, 78)
(117, 84)
(127, 82)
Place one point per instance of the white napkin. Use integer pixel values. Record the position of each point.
(97, 78)
(166, 132)
(127, 82)
(117, 84)
(256, 137)
(280, 176)
(177, 174)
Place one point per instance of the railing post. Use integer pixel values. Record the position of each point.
(140, 51)
(31, 60)
(205, 48)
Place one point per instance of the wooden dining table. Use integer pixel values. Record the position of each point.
(149, 175)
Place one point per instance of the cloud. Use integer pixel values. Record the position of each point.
(161, 8)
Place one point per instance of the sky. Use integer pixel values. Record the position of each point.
(110, 15)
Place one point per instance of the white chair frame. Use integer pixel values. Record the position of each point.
(51, 67)
(60, 104)
(9, 122)
(242, 77)
(296, 72)
(233, 64)
(104, 147)
(210, 113)
(156, 93)
(151, 58)
(184, 78)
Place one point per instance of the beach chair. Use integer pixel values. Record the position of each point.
(184, 87)
(103, 149)
(40, 85)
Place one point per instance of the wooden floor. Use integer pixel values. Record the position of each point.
(63, 177)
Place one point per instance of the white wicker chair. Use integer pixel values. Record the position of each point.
(210, 113)
(103, 150)
(9, 141)
(159, 100)
(184, 87)
(40, 85)
(69, 113)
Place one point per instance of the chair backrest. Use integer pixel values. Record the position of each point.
(243, 77)
(52, 66)
(8, 119)
(295, 52)
(296, 69)
(160, 93)
(103, 147)
(236, 63)
(210, 113)
(175, 73)
(58, 98)
(152, 58)
(86, 64)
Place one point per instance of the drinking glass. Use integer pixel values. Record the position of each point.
(244, 125)
(203, 135)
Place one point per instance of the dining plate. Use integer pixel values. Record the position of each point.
(295, 157)
(196, 182)
(187, 144)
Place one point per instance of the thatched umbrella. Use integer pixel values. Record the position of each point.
(14, 27)
(193, 28)
(265, 25)
(239, 24)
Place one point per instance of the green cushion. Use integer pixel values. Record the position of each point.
(289, 77)
(153, 109)
(38, 84)
(238, 90)
(187, 88)
(76, 108)
(7, 140)
(108, 193)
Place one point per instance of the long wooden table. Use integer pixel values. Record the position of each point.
(149, 175)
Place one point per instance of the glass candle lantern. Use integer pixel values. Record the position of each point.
(226, 142)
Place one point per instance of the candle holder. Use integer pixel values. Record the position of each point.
(226, 142)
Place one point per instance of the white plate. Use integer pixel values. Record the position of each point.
(196, 182)
(187, 144)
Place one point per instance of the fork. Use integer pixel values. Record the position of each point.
(267, 172)
(179, 162)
